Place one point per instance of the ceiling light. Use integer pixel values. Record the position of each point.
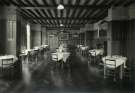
(61, 25)
(60, 7)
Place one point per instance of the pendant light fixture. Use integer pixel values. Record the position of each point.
(60, 7)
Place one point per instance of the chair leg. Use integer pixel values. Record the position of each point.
(114, 78)
(104, 72)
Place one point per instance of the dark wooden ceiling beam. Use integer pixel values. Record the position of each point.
(61, 13)
(55, 14)
(32, 13)
(87, 2)
(28, 2)
(77, 13)
(95, 2)
(21, 3)
(13, 2)
(97, 12)
(45, 3)
(45, 14)
(27, 13)
(69, 2)
(78, 26)
(100, 14)
(23, 15)
(104, 2)
(67, 13)
(61, 2)
(90, 12)
(53, 2)
(48, 21)
(84, 13)
(69, 21)
(77, 2)
(73, 12)
(93, 10)
(51, 15)
(80, 11)
(39, 13)
(36, 3)
(62, 18)
(67, 7)
(34, 22)
(66, 28)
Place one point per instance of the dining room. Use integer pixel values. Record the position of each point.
(67, 46)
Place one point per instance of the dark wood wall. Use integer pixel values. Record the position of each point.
(119, 30)
(35, 38)
(131, 41)
(23, 35)
(8, 36)
(2, 36)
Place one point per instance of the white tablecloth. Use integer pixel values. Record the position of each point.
(119, 61)
(96, 52)
(7, 57)
(26, 51)
(60, 56)
(82, 47)
(44, 46)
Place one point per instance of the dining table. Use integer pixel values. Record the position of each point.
(96, 52)
(120, 62)
(57, 56)
(4, 57)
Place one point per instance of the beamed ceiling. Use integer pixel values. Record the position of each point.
(76, 14)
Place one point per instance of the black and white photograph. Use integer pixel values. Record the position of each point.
(67, 46)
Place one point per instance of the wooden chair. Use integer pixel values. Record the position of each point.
(55, 59)
(92, 58)
(8, 67)
(110, 70)
(128, 71)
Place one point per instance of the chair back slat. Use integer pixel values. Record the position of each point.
(7, 62)
(109, 64)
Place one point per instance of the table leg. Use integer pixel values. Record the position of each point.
(36, 58)
(121, 71)
(104, 71)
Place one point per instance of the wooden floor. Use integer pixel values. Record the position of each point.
(75, 77)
